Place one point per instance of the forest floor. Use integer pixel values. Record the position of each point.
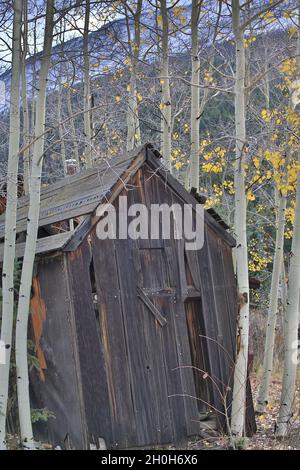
(265, 438)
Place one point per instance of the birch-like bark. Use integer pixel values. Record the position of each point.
(273, 304)
(87, 117)
(292, 311)
(195, 96)
(291, 328)
(72, 127)
(240, 373)
(61, 131)
(26, 131)
(31, 237)
(166, 108)
(133, 123)
(10, 217)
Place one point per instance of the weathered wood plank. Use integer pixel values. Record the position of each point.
(199, 268)
(114, 344)
(198, 344)
(143, 334)
(158, 316)
(139, 355)
(92, 364)
(154, 338)
(58, 385)
(43, 245)
(175, 356)
(223, 311)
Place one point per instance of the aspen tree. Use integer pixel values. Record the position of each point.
(87, 115)
(133, 124)
(280, 207)
(72, 127)
(292, 311)
(262, 401)
(195, 96)
(10, 217)
(165, 105)
(60, 129)
(240, 373)
(26, 132)
(31, 237)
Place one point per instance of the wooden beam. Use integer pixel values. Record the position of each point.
(44, 245)
(158, 316)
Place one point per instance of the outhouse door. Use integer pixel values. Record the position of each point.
(145, 342)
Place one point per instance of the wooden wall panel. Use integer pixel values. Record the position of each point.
(113, 343)
(91, 357)
(56, 388)
(185, 402)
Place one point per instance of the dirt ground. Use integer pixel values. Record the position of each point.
(265, 438)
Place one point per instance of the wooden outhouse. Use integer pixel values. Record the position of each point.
(135, 339)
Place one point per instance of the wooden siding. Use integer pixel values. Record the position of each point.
(57, 387)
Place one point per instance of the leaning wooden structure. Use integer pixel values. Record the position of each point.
(135, 339)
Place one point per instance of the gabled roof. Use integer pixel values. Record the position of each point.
(77, 194)
(80, 194)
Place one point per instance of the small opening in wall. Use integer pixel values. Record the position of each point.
(94, 288)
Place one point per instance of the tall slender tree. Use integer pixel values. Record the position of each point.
(240, 227)
(26, 125)
(280, 207)
(10, 217)
(262, 401)
(195, 96)
(31, 237)
(87, 116)
(133, 123)
(166, 108)
(292, 312)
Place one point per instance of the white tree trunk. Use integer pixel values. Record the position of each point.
(26, 132)
(273, 304)
(10, 217)
(72, 127)
(87, 115)
(31, 237)
(240, 373)
(61, 131)
(133, 123)
(291, 328)
(292, 312)
(166, 108)
(195, 97)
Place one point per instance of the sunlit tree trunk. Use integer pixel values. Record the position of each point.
(87, 116)
(273, 303)
(133, 123)
(292, 311)
(31, 237)
(10, 217)
(240, 373)
(195, 97)
(166, 108)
